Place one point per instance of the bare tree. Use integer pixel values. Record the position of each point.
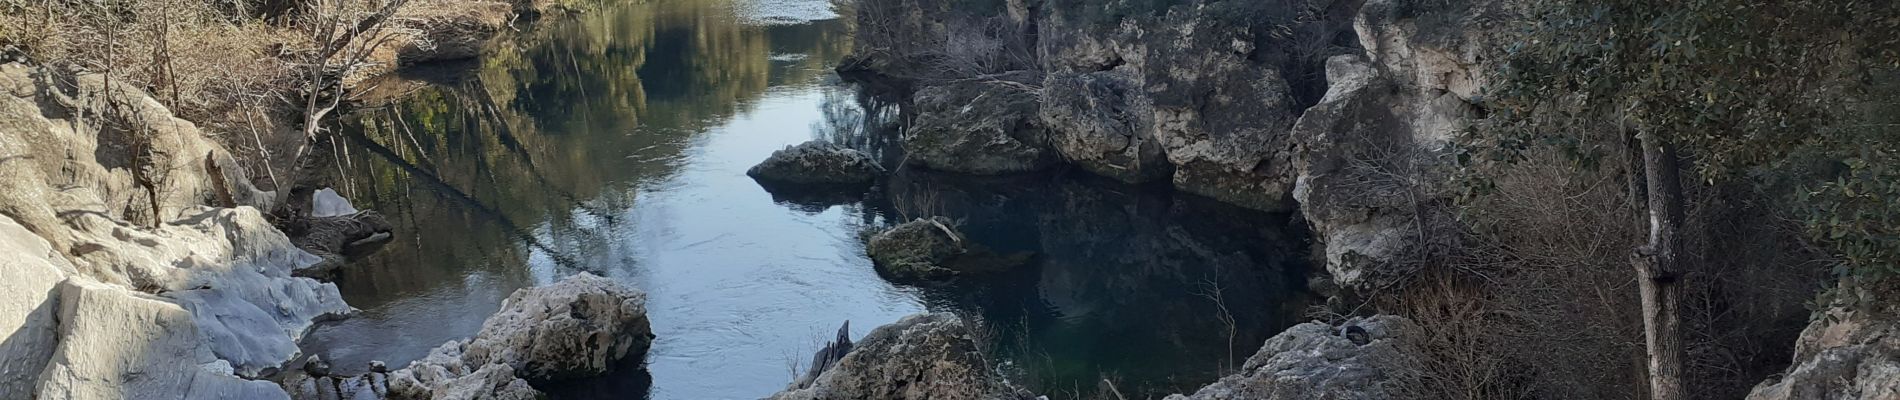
(343, 34)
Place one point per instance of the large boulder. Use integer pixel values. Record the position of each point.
(924, 356)
(1361, 359)
(578, 327)
(1221, 106)
(817, 163)
(116, 344)
(1353, 187)
(1846, 355)
(986, 125)
(28, 307)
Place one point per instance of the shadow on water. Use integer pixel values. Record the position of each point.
(1155, 291)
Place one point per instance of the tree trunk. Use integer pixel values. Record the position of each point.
(1658, 269)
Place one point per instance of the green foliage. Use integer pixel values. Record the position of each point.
(1742, 86)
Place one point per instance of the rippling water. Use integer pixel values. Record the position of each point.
(616, 144)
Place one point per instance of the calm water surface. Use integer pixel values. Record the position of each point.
(616, 143)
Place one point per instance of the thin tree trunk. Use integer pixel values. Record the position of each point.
(1658, 269)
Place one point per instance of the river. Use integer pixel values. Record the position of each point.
(615, 142)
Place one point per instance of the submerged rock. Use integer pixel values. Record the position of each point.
(930, 249)
(924, 356)
(985, 125)
(1361, 359)
(816, 163)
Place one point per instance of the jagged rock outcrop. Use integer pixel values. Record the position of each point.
(1355, 192)
(1845, 355)
(178, 309)
(931, 249)
(983, 125)
(1222, 107)
(579, 327)
(924, 356)
(1197, 92)
(84, 145)
(1361, 359)
(817, 163)
(1100, 121)
(1370, 156)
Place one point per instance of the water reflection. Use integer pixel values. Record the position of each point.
(1157, 292)
(617, 144)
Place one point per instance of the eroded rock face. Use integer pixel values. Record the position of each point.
(924, 356)
(95, 189)
(1352, 187)
(817, 163)
(982, 126)
(575, 328)
(1101, 122)
(1363, 358)
(1221, 111)
(28, 307)
(116, 344)
(1849, 355)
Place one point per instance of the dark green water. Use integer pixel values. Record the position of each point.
(616, 144)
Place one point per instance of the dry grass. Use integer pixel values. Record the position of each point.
(215, 63)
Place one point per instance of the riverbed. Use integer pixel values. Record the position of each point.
(615, 142)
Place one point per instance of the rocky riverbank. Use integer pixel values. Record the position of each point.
(1360, 118)
(147, 270)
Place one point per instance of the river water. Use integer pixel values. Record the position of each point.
(616, 142)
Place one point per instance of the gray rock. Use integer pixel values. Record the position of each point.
(1101, 122)
(1221, 113)
(1320, 361)
(29, 306)
(931, 249)
(228, 267)
(985, 125)
(924, 356)
(817, 162)
(1848, 355)
(115, 344)
(918, 250)
(578, 327)
(1363, 215)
